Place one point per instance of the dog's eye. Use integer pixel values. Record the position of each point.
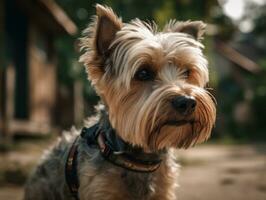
(144, 74)
(186, 73)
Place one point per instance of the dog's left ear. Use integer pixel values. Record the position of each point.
(107, 26)
(194, 28)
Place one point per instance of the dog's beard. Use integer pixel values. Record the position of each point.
(140, 110)
(147, 119)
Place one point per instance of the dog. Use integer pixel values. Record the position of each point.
(152, 85)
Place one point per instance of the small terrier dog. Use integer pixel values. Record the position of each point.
(154, 100)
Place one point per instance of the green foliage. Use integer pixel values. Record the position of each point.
(81, 11)
(258, 104)
(165, 13)
(230, 93)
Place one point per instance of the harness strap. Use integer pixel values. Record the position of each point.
(71, 166)
(95, 138)
(71, 170)
(124, 160)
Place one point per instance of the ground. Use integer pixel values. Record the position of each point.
(231, 172)
(224, 172)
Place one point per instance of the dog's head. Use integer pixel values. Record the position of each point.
(152, 82)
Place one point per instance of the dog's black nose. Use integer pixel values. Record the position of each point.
(185, 105)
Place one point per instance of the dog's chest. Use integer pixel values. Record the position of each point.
(101, 180)
(119, 185)
(138, 185)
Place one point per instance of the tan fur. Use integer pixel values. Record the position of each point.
(137, 111)
(132, 105)
(111, 186)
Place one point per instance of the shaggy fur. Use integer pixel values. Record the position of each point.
(139, 111)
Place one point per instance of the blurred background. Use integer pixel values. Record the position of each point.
(44, 90)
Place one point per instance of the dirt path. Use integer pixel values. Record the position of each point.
(211, 172)
(11, 193)
(223, 172)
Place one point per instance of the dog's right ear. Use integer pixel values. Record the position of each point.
(196, 29)
(107, 25)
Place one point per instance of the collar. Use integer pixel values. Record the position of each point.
(113, 149)
(71, 172)
(119, 152)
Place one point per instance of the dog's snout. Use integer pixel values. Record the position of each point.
(185, 105)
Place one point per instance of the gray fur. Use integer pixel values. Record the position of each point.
(48, 179)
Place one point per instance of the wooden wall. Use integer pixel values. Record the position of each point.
(42, 77)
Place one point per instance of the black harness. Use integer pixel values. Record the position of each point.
(114, 150)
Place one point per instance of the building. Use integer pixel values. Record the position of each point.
(28, 60)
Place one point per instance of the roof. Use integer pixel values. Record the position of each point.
(47, 14)
(237, 58)
(60, 16)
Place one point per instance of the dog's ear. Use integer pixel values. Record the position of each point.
(194, 28)
(106, 27)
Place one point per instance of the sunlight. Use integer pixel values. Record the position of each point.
(234, 9)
